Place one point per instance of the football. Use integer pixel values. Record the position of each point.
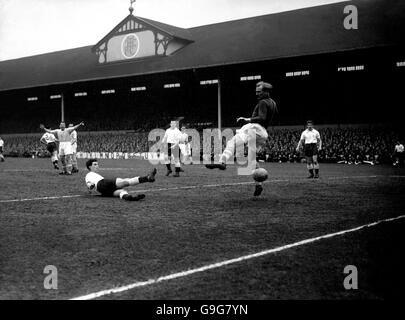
(260, 174)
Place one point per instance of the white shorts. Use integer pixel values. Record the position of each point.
(74, 148)
(185, 149)
(255, 129)
(65, 148)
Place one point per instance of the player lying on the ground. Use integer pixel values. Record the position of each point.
(312, 142)
(65, 145)
(49, 140)
(114, 187)
(254, 130)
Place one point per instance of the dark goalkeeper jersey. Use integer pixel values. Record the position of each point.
(264, 112)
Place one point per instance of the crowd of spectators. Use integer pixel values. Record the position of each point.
(340, 145)
(104, 120)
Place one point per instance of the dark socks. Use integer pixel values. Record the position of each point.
(143, 179)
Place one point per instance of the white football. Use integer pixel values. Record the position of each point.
(260, 174)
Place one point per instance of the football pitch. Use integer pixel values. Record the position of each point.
(202, 235)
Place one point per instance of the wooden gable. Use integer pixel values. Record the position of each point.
(135, 38)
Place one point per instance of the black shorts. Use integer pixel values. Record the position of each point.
(51, 147)
(1, 149)
(310, 149)
(176, 150)
(107, 187)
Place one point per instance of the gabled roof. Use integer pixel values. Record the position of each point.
(294, 33)
(171, 30)
(162, 27)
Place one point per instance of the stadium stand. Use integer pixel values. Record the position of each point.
(344, 145)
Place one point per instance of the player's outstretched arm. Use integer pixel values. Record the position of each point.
(76, 126)
(242, 119)
(41, 126)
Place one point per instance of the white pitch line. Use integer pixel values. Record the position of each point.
(204, 186)
(145, 190)
(227, 262)
(42, 198)
(351, 177)
(53, 170)
(185, 188)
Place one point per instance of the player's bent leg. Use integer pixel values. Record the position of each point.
(310, 167)
(63, 160)
(124, 195)
(122, 183)
(177, 164)
(168, 160)
(254, 143)
(75, 169)
(69, 164)
(258, 189)
(54, 159)
(227, 154)
(168, 166)
(316, 166)
(259, 185)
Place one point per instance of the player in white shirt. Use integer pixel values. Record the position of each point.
(114, 187)
(172, 139)
(50, 141)
(65, 145)
(73, 136)
(1, 150)
(311, 139)
(185, 146)
(399, 154)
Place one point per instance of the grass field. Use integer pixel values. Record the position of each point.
(200, 219)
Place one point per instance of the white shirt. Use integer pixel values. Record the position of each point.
(183, 137)
(310, 136)
(73, 136)
(63, 135)
(48, 137)
(1, 142)
(172, 135)
(399, 148)
(92, 178)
